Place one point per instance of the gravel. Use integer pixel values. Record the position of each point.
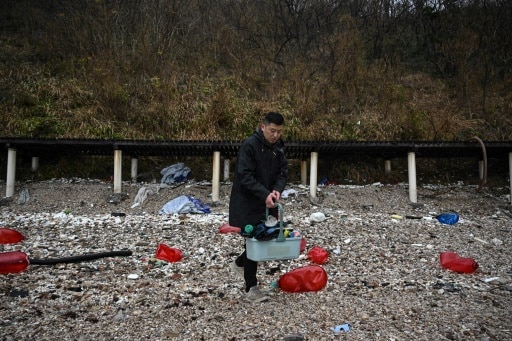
(384, 277)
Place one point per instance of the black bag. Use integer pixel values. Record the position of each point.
(263, 232)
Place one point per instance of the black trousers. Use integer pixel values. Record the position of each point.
(250, 266)
(250, 270)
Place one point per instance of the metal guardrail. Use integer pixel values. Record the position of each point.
(294, 149)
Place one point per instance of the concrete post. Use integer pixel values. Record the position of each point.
(304, 172)
(313, 181)
(227, 163)
(118, 170)
(387, 167)
(35, 164)
(411, 162)
(11, 172)
(133, 171)
(216, 176)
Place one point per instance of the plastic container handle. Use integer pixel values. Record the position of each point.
(280, 237)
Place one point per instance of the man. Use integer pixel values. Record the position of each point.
(261, 175)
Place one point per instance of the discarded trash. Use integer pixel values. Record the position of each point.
(396, 216)
(342, 327)
(490, 279)
(175, 173)
(288, 192)
(480, 240)
(443, 287)
(24, 196)
(184, 204)
(496, 241)
(452, 261)
(323, 182)
(133, 276)
(120, 316)
(304, 279)
(226, 228)
(17, 261)
(145, 191)
(448, 218)
(317, 217)
(12, 262)
(318, 255)
(167, 253)
(10, 236)
(303, 244)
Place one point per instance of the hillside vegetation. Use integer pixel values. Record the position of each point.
(196, 69)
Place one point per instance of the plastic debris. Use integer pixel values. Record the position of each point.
(304, 279)
(226, 228)
(288, 192)
(318, 255)
(452, 261)
(448, 218)
(175, 173)
(480, 240)
(10, 236)
(24, 196)
(120, 316)
(491, 279)
(167, 253)
(317, 217)
(342, 327)
(496, 241)
(184, 204)
(146, 191)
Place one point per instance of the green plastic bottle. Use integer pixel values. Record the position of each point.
(248, 229)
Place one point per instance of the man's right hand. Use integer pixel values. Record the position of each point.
(270, 201)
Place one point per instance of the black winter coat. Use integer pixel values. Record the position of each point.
(260, 168)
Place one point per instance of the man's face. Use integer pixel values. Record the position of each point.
(272, 132)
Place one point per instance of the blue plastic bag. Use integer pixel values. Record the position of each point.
(448, 218)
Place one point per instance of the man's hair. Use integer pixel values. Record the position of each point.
(273, 117)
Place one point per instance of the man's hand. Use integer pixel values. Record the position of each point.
(271, 200)
(277, 195)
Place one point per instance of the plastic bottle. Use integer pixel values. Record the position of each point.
(226, 228)
(169, 254)
(318, 255)
(452, 261)
(304, 279)
(10, 236)
(303, 244)
(448, 218)
(248, 229)
(12, 262)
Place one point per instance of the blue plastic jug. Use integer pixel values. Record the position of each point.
(448, 218)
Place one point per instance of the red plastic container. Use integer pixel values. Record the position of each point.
(303, 244)
(226, 228)
(304, 279)
(318, 255)
(12, 262)
(169, 254)
(10, 236)
(452, 261)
